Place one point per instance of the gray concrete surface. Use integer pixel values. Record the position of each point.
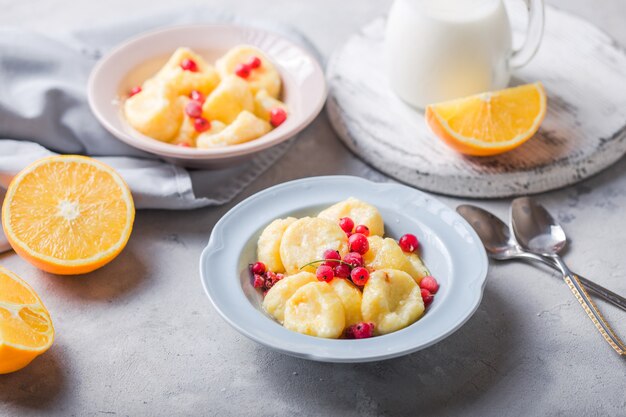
(139, 337)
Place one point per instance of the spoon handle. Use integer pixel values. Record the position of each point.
(574, 284)
(595, 289)
(604, 293)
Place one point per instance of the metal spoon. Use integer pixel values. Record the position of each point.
(502, 246)
(538, 232)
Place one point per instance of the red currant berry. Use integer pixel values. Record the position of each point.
(259, 281)
(360, 275)
(358, 243)
(134, 90)
(348, 333)
(184, 145)
(277, 116)
(189, 65)
(346, 224)
(254, 62)
(354, 259)
(362, 330)
(325, 273)
(342, 271)
(331, 256)
(409, 243)
(271, 278)
(258, 268)
(197, 96)
(201, 124)
(193, 109)
(429, 283)
(362, 229)
(427, 297)
(242, 70)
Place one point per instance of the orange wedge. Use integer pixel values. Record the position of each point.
(68, 214)
(489, 123)
(25, 327)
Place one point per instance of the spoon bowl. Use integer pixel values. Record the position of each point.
(493, 232)
(535, 229)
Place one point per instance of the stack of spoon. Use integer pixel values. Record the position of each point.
(536, 236)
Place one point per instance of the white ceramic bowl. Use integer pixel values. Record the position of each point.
(450, 248)
(131, 63)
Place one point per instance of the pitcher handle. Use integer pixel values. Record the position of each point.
(534, 33)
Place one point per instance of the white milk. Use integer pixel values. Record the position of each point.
(436, 50)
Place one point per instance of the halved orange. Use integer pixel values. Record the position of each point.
(26, 329)
(68, 214)
(489, 123)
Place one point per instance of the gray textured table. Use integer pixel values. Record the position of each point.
(140, 338)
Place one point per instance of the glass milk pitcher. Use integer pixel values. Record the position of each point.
(436, 50)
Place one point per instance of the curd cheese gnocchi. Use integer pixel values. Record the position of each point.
(337, 276)
(190, 103)
(202, 78)
(385, 253)
(231, 97)
(276, 299)
(268, 246)
(262, 77)
(316, 310)
(305, 241)
(157, 112)
(359, 211)
(392, 300)
(350, 297)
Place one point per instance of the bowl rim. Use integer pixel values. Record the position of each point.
(324, 353)
(232, 151)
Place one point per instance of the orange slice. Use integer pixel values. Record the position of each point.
(68, 214)
(489, 123)
(26, 329)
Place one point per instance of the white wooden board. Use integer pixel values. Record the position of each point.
(583, 70)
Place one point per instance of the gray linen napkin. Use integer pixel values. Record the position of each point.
(44, 110)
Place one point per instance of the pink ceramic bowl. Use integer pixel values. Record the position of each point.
(131, 63)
